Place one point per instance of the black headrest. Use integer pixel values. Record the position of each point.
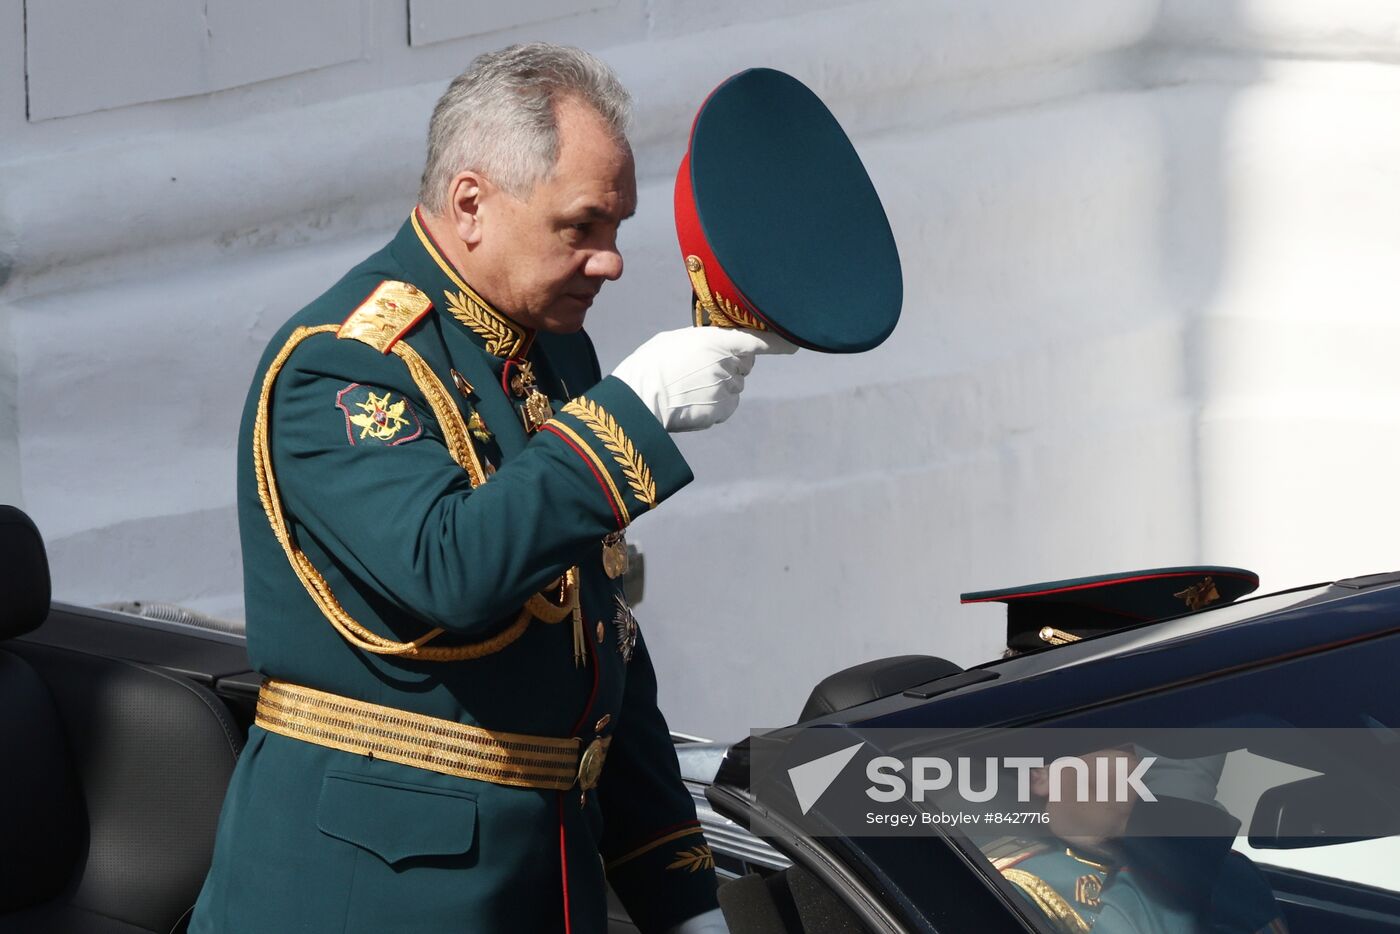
(24, 570)
(872, 680)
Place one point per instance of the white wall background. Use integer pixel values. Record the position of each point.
(1151, 257)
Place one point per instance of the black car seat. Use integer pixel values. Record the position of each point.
(112, 774)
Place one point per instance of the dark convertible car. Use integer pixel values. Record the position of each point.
(121, 732)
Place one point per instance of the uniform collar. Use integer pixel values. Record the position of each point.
(415, 248)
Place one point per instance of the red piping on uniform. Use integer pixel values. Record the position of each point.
(602, 485)
(564, 866)
(1108, 583)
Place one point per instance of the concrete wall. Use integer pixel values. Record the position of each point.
(1148, 250)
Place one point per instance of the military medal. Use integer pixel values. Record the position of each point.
(536, 409)
(615, 555)
(626, 625)
(478, 428)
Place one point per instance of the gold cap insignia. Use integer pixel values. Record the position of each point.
(1199, 596)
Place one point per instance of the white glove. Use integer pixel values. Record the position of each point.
(711, 922)
(691, 378)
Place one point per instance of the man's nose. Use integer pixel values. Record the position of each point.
(604, 264)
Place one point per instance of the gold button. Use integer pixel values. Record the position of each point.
(598, 727)
(600, 632)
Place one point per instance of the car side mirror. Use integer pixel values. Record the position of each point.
(1320, 811)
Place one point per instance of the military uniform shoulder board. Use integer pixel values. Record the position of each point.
(390, 312)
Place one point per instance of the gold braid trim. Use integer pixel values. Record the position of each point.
(314, 582)
(719, 311)
(546, 610)
(449, 417)
(408, 738)
(602, 424)
(1050, 902)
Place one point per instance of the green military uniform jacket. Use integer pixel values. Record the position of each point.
(1077, 893)
(388, 489)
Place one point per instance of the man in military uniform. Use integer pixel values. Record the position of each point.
(459, 730)
(1079, 890)
(1117, 867)
(1125, 867)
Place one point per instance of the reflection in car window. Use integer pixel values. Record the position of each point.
(1073, 887)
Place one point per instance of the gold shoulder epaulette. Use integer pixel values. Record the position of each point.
(391, 310)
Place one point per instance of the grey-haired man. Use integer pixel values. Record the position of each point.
(459, 730)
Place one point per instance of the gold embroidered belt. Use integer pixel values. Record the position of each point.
(431, 743)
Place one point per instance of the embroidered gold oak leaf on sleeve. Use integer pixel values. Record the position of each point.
(602, 424)
(694, 859)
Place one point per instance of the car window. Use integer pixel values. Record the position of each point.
(1279, 748)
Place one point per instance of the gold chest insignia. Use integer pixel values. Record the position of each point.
(376, 416)
(535, 410)
(626, 625)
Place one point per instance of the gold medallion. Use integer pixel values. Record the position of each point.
(615, 555)
(590, 765)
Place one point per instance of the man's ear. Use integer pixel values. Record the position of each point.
(465, 194)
